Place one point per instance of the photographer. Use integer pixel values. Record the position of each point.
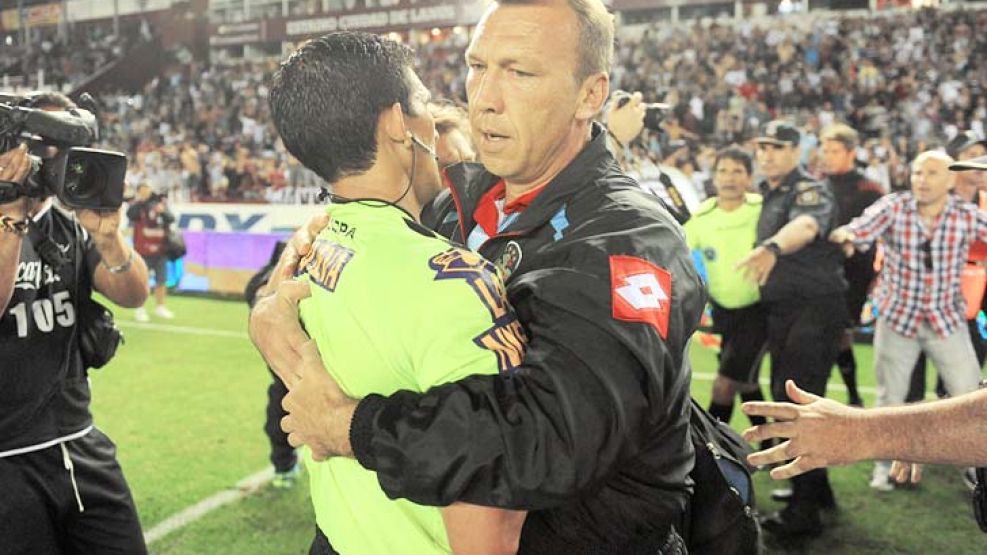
(151, 219)
(627, 117)
(64, 490)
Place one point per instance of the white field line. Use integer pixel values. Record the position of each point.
(182, 329)
(704, 377)
(202, 508)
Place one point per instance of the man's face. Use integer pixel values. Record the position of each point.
(521, 89)
(453, 147)
(776, 161)
(835, 158)
(972, 178)
(931, 181)
(731, 179)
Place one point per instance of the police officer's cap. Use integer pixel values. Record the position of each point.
(780, 132)
(964, 141)
(978, 163)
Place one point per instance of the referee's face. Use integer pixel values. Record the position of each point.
(731, 179)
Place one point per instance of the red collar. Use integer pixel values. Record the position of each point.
(487, 215)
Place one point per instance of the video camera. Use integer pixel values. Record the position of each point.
(79, 176)
(654, 112)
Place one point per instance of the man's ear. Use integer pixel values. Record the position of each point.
(593, 95)
(391, 124)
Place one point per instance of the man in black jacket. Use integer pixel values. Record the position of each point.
(853, 193)
(591, 433)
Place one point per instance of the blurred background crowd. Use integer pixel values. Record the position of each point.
(907, 81)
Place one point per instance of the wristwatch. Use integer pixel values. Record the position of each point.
(772, 246)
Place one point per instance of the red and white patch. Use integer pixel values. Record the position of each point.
(641, 291)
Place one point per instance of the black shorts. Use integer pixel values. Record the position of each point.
(39, 510)
(159, 265)
(744, 333)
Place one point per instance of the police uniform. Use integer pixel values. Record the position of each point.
(805, 299)
(62, 486)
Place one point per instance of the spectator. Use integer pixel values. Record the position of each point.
(927, 234)
(854, 193)
(151, 220)
(283, 457)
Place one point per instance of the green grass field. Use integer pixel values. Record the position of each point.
(184, 401)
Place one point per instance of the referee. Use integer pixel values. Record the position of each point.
(722, 229)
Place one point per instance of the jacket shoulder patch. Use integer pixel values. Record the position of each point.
(641, 292)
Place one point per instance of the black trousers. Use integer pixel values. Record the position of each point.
(39, 510)
(282, 453)
(804, 339)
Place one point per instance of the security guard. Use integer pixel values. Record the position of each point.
(802, 286)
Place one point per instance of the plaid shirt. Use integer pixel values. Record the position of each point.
(920, 280)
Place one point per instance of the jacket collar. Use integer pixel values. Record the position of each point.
(470, 180)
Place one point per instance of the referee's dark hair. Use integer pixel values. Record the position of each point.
(736, 154)
(327, 96)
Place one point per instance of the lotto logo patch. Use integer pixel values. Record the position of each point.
(641, 292)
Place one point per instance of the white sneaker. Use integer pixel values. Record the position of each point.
(141, 315)
(163, 312)
(881, 479)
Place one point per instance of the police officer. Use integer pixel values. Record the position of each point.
(802, 286)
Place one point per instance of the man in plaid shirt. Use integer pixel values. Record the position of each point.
(926, 233)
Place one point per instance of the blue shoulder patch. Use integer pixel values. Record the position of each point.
(560, 222)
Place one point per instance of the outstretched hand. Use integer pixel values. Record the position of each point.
(818, 433)
(757, 265)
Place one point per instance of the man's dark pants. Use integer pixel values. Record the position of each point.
(803, 340)
(282, 453)
(39, 512)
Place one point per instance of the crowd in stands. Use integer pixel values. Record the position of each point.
(204, 138)
(63, 60)
(908, 81)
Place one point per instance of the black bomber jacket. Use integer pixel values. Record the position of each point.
(591, 433)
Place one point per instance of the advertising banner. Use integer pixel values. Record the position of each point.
(242, 218)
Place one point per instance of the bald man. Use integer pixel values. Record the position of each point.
(927, 233)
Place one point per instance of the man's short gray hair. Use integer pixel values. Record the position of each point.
(596, 35)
